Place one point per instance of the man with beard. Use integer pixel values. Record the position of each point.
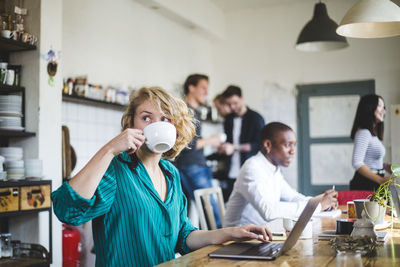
(191, 163)
(243, 128)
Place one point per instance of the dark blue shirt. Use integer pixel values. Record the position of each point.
(191, 155)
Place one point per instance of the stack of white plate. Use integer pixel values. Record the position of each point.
(33, 168)
(10, 122)
(11, 112)
(13, 162)
(11, 105)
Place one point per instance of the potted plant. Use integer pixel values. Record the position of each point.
(383, 197)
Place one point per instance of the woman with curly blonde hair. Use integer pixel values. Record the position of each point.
(134, 197)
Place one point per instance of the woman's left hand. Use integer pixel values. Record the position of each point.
(248, 232)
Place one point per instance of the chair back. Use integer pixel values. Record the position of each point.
(350, 195)
(203, 203)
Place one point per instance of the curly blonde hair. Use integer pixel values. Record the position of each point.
(173, 108)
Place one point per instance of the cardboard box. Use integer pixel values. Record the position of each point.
(9, 199)
(35, 197)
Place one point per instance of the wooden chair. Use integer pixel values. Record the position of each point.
(350, 195)
(204, 207)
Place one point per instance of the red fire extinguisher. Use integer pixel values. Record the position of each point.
(71, 245)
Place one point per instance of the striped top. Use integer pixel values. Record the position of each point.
(132, 226)
(368, 150)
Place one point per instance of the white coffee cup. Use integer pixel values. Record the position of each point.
(288, 224)
(222, 137)
(6, 33)
(160, 136)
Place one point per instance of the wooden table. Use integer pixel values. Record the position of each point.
(307, 252)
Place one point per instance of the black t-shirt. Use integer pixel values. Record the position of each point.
(191, 155)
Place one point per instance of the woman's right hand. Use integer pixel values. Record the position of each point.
(387, 167)
(130, 139)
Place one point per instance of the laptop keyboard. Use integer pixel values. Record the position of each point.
(263, 249)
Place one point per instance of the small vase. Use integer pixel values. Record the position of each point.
(374, 211)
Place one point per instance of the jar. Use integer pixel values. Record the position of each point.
(363, 227)
(3, 72)
(17, 78)
(6, 247)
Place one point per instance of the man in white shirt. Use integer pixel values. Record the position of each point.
(260, 193)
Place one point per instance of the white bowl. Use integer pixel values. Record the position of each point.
(11, 150)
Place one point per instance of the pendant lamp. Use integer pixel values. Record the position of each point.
(371, 19)
(319, 34)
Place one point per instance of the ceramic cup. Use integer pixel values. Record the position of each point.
(288, 224)
(6, 33)
(222, 137)
(160, 136)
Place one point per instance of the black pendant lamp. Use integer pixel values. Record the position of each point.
(319, 34)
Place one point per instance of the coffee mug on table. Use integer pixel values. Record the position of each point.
(288, 224)
(160, 136)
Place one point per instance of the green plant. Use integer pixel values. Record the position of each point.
(382, 195)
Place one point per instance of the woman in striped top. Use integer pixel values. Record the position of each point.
(368, 152)
(134, 197)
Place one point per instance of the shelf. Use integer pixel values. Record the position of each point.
(92, 102)
(21, 212)
(23, 262)
(10, 45)
(12, 133)
(23, 183)
(4, 88)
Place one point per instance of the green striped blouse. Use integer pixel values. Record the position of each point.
(132, 226)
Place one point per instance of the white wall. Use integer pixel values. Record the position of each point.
(123, 43)
(258, 54)
(42, 115)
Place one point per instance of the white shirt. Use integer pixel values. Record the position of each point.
(235, 160)
(261, 194)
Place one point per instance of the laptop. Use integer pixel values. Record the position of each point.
(395, 198)
(271, 250)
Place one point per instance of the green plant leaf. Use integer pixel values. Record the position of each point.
(395, 169)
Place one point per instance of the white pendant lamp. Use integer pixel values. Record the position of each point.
(319, 34)
(371, 19)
